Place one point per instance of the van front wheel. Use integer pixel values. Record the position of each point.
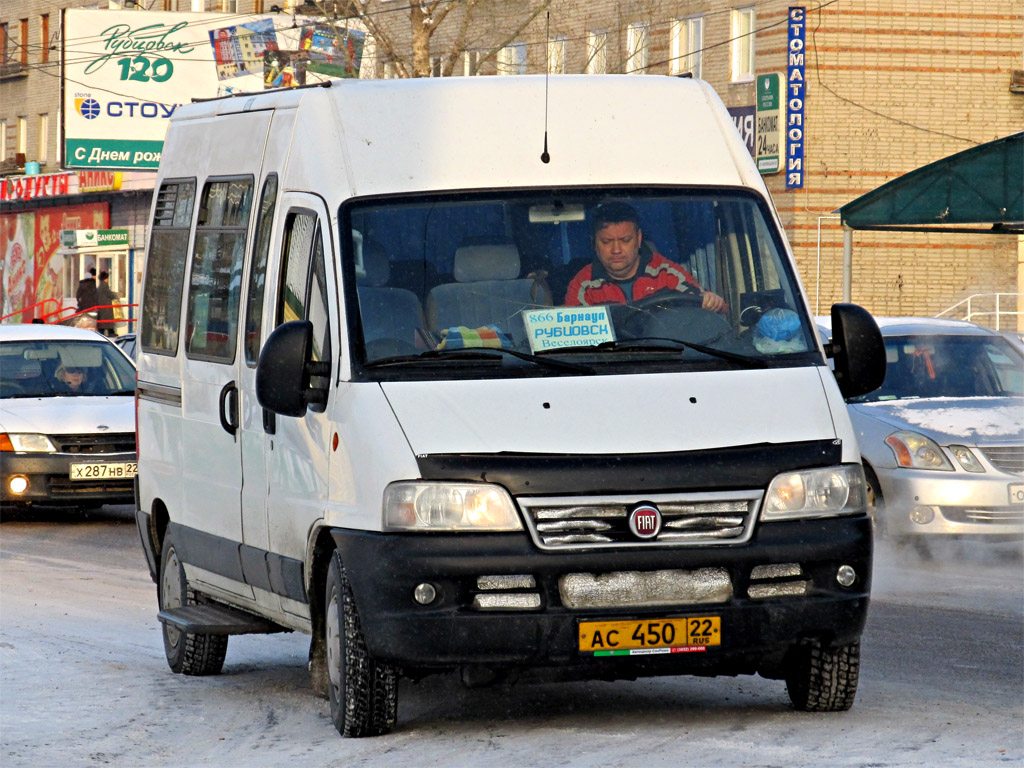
(363, 691)
(187, 653)
(821, 679)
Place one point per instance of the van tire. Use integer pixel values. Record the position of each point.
(876, 502)
(187, 653)
(821, 679)
(363, 691)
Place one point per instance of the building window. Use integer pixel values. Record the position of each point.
(390, 71)
(44, 38)
(436, 66)
(23, 42)
(471, 63)
(3, 140)
(4, 43)
(597, 53)
(687, 41)
(743, 44)
(556, 56)
(42, 154)
(512, 59)
(229, 6)
(22, 135)
(636, 48)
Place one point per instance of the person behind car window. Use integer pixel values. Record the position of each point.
(623, 271)
(71, 377)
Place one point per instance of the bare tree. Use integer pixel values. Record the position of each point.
(412, 56)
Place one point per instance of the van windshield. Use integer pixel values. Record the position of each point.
(570, 282)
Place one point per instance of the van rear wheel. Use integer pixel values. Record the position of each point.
(187, 653)
(821, 679)
(363, 691)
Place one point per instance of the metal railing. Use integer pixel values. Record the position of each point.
(988, 305)
(27, 309)
(57, 316)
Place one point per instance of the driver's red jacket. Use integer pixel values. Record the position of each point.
(592, 284)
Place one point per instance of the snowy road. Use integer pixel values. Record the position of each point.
(83, 682)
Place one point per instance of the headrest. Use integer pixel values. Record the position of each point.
(486, 262)
(375, 264)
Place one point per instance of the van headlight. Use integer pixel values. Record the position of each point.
(22, 442)
(412, 506)
(822, 492)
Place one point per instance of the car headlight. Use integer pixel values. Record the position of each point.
(966, 458)
(825, 492)
(26, 443)
(917, 451)
(412, 506)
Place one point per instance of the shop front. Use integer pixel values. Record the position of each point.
(53, 230)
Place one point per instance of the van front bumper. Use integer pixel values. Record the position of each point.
(759, 622)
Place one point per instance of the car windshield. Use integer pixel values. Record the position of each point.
(948, 366)
(651, 280)
(64, 369)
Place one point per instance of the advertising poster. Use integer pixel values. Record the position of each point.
(32, 267)
(125, 73)
(17, 242)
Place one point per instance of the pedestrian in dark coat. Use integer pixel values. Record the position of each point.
(104, 296)
(87, 292)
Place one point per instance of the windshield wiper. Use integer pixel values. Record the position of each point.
(665, 344)
(480, 353)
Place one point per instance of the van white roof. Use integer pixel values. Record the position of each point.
(399, 136)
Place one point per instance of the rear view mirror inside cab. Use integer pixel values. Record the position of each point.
(557, 212)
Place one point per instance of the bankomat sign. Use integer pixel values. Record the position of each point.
(126, 73)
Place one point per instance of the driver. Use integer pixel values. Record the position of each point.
(622, 272)
(72, 378)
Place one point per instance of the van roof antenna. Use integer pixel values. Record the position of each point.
(544, 156)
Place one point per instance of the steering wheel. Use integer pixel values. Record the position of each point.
(631, 318)
(690, 297)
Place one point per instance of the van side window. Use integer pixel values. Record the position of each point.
(303, 294)
(216, 279)
(298, 247)
(258, 271)
(165, 269)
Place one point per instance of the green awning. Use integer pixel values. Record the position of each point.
(981, 185)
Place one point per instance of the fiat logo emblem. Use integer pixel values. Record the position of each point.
(645, 521)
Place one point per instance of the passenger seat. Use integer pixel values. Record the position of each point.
(488, 292)
(388, 314)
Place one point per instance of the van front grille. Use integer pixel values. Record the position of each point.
(687, 519)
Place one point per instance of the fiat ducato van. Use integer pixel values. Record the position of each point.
(397, 391)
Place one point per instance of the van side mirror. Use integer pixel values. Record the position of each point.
(284, 370)
(857, 349)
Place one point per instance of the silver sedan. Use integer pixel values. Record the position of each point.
(943, 438)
